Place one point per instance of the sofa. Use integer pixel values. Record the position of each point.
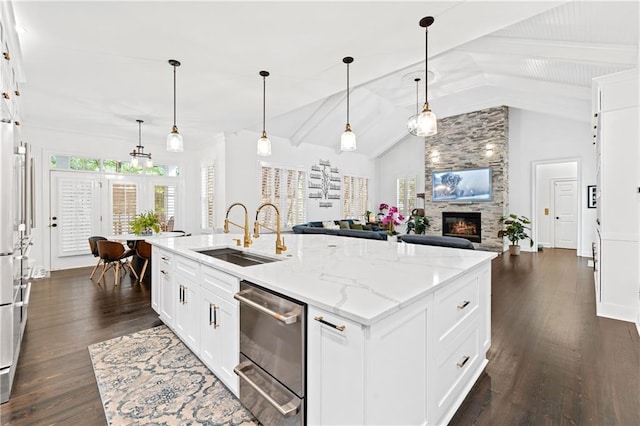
(437, 240)
(349, 228)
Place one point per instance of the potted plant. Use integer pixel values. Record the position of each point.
(145, 223)
(515, 229)
(418, 224)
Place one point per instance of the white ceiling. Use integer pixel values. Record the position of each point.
(93, 68)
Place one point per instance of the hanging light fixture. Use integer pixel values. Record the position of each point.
(138, 151)
(427, 123)
(412, 123)
(264, 144)
(348, 138)
(174, 140)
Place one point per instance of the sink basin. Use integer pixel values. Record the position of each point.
(237, 257)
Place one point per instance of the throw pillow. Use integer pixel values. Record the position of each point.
(344, 224)
(330, 225)
(367, 227)
(356, 226)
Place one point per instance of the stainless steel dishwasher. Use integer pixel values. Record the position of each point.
(272, 366)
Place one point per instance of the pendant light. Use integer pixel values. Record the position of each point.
(412, 123)
(348, 138)
(174, 140)
(264, 144)
(427, 121)
(138, 151)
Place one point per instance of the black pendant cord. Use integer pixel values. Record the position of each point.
(140, 136)
(426, 61)
(174, 96)
(417, 80)
(264, 103)
(347, 93)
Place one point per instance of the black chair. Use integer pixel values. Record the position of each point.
(94, 250)
(114, 255)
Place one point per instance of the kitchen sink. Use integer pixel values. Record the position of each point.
(237, 257)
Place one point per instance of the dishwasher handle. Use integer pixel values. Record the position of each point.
(287, 410)
(287, 318)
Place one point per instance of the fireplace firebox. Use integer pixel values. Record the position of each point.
(463, 225)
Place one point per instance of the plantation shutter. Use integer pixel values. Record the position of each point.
(355, 193)
(284, 188)
(76, 200)
(406, 193)
(124, 208)
(206, 197)
(164, 202)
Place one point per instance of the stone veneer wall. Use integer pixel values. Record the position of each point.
(461, 143)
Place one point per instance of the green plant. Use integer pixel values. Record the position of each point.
(145, 221)
(367, 215)
(515, 229)
(418, 224)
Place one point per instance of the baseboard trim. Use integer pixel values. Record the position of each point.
(617, 312)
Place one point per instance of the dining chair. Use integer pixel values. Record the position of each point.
(143, 250)
(94, 250)
(115, 256)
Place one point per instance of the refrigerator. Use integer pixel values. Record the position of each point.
(16, 223)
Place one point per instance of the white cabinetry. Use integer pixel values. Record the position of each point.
(163, 300)
(435, 347)
(218, 316)
(617, 136)
(187, 286)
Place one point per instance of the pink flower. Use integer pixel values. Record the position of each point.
(383, 206)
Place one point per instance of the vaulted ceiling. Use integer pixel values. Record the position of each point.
(92, 68)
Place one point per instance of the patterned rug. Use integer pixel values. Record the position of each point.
(152, 378)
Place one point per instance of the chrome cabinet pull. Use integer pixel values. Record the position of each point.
(287, 410)
(337, 327)
(184, 294)
(166, 259)
(463, 305)
(463, 362)
(287, 318)
(163, 272)
(210, 320)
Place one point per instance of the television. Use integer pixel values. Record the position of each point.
(462, 185)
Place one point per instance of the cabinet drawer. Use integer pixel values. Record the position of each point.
(164, 258)
(222, 284)
(454, 304)
(456, 363)
(187, 268)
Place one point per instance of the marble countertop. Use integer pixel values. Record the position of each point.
(363, 280)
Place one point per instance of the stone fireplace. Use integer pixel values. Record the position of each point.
(466, 225)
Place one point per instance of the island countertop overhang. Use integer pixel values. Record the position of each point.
(363, 280)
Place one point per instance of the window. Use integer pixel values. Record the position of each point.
(286, 189)
(124, 206)
(355, 196)
(206, 197)
(406, 194)
(76, 206)
(164, 202)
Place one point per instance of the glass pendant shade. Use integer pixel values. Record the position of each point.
(348, 140)
(427, 123)
(149, 162)
(174, 141)
(412, 124)
(134, 161)
(264, 145)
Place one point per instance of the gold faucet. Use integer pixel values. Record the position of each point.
(280, 247)
(247, 238)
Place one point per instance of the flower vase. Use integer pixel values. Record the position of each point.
(392, 238)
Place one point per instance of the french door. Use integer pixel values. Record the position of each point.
(74, 216)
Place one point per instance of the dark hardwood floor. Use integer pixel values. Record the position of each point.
(552, 361)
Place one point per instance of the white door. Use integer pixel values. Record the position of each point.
(566, 214)
(74, 216)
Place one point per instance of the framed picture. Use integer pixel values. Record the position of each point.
(591, 196)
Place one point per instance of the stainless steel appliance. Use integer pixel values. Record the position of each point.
(272, 367)
(16, 222)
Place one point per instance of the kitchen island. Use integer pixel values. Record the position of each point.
(396, 333)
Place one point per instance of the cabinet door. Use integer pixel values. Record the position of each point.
(167, 298)
(219, 337)
(187, 318)
(335, 370)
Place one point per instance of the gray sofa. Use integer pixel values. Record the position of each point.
(316, 228)
(437, 240)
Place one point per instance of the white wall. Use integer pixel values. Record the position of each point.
(242, 174)
(406, 159)
(546, 174)
(535, 137)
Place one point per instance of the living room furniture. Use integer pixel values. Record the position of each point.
(316, 227)
(437, 240)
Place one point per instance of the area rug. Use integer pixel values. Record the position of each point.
(151, 377)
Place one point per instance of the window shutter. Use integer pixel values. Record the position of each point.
(164, 202)
(206, 197)
(284, 188)
(77, 201)
(124, 198)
